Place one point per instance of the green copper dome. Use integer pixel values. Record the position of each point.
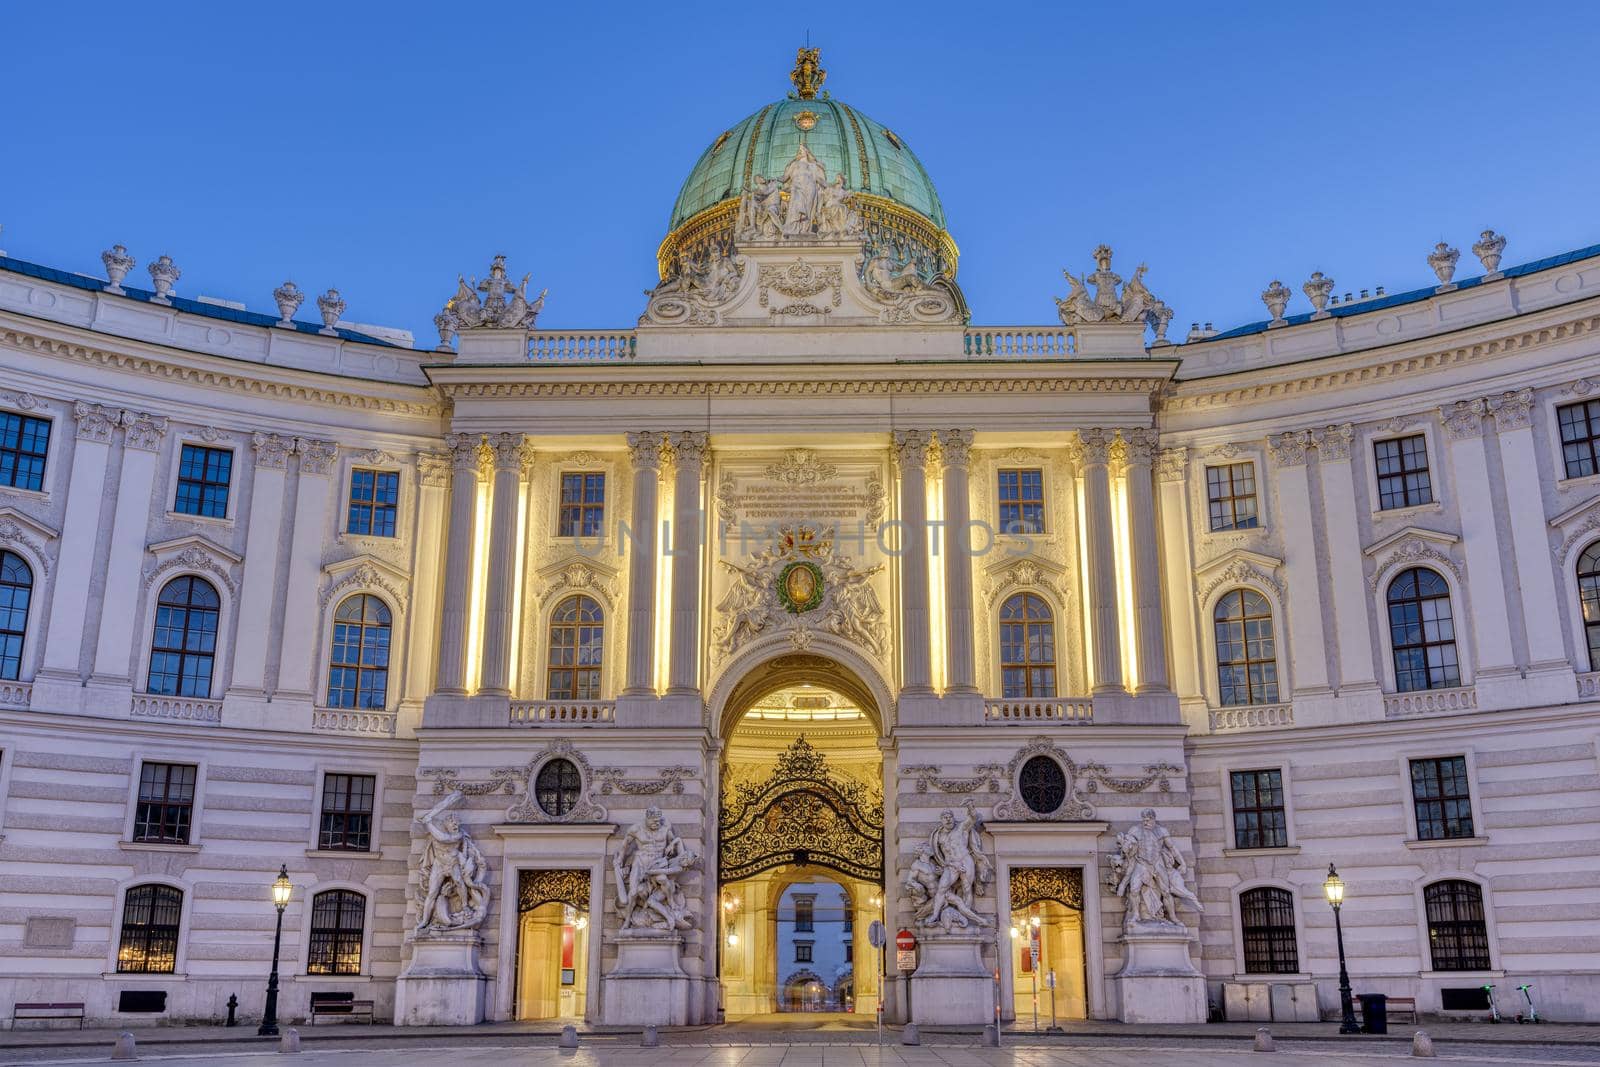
(871, 158)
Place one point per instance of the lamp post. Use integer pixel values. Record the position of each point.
(281, 890)
(1333, 889)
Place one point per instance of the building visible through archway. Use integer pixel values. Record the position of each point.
(800, 854)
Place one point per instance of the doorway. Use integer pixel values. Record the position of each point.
(552, 944)
(1047, 944)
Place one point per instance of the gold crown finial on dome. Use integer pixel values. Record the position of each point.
(808, 74)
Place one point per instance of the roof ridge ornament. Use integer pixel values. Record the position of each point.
(808, 74)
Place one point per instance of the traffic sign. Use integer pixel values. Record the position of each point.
(876, 934)
(905, 941)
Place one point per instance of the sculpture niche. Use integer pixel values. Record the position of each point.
(949, 871)
(453, 892)
(1150, 876)
(647, 866)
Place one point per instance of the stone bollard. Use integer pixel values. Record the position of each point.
(290, 1041)
(1264, 1040)
(991, 1035)
(125, 1048)
(651, 1039)
(1422, 1044)
(911, 1035)
(569, 1037)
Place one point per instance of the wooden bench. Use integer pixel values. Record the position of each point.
(58, 1010)
(344, 1005)
(1396, 1006)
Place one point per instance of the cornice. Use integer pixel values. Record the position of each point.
(1360, 369)
(220, 372)
(794, 387)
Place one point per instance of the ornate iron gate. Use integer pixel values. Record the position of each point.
(802, 814)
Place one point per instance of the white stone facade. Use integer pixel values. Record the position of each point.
(885, 422)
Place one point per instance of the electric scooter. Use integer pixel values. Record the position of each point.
(1533, 1012)
(1494, 1009)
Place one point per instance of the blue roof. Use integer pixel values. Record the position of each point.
(179, 303)
(1359, 307)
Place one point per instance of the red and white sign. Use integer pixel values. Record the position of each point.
(905, 951)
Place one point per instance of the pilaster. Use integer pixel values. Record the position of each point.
(245, 702)
(1310, 669)
(301, 610)
(645, 450)
(683, 671)
(911, 454)
(1358, 691)
(955, 451)
(142, 435)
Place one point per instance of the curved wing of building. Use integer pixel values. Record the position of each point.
(544, 663)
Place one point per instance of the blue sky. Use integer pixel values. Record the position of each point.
(386, 148)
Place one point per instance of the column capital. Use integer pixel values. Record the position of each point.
(316, 457)
(1094, 446)
(1512, 410)
(1463, 419)
(1333, 442)
(433, 469)
(1173, 464)
(1139, 446)
(689, 448)
(645, 448)
(1289, 449)
(272, 450)
(465, 449)
(911, 448)
(95, 421)
(955, 447)
(143, 430)
(510, 451)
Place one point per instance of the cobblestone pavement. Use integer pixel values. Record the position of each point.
(720, 1048)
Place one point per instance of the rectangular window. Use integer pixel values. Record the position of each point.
(805, 913)
(1259, 818)
(24, 440)
(347, 812)
(1580, 434)
(1442, 799)
(1403, 480)
(203, 477)
(1231, 496)
(151, 916)
(802, 952)
(1022, 501)
(374, 502)
(583, 505)
(166, 803)
(849, 952)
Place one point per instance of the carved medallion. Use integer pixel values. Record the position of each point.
(800, 586)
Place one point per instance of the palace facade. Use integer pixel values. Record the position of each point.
(801, 561)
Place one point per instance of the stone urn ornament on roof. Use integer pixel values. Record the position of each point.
(1318, 289)
(1276, 297)
(1443, 261)
(331, 305)
(118, 264)
(164, 274)
(288, 297)
(1488, 248)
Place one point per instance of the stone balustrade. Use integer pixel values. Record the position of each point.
(1430, 702)
(563, 712)
(1066, 711)
(352, 721)
(1039, 341)
(1252, 717)
(177, 709)
(577, 345)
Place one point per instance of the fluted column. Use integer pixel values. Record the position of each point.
(80, 530)
(911, 450)
(1173, 472)
(683, 671)
(511, 452)
(464, 461)
(955, 448)
(1148, 617)
(433, 480)
(129, 526)
(645, 448)
(312, 494)
(1104, 618)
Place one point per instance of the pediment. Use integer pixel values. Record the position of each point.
(28, 525)
(1561, 521)
(1259, 560)
(1023, 571)
(1437, 537)
(1241, 565)
(193, 553)
(345, 566)
(366, 572)
(162, 549)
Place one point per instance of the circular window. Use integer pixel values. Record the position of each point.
(558, 788)
(1043, 785)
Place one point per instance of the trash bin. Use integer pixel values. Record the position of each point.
(1374, 1013)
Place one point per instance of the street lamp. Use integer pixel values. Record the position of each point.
(282, 888)
(1333, 889)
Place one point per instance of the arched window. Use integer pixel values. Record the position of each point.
(1247, 653)
(577, 638)
(150, 917)
(185, 641)
(1422, 632)
(1266, 918)
(358, 666)
(558, 787)
(1027, 648)
(16, 592)
(337, 919)
(1588, 597)
(1457, 936)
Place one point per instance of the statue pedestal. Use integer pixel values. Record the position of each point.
(647, 987)
(1158, 982)
(951, 986)
(442, 986)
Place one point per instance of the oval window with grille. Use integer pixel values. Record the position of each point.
(1043, 785)
(558, 788)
